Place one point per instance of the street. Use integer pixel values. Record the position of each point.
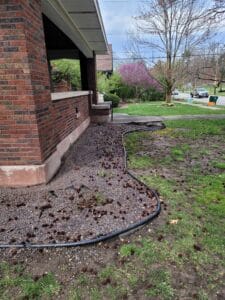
(220, 101)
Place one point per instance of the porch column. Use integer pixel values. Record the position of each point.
(26, 128)
(89, 75)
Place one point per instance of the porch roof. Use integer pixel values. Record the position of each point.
(81, 21)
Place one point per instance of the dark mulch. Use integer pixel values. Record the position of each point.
(90, 196)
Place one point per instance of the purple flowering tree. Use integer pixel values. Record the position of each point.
(138, 76)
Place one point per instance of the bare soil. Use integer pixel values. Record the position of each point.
(200, 155)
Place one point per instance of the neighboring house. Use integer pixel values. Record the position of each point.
(105, 62)
(37, 126)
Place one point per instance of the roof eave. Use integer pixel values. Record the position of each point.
(59, 15)
(102, 26)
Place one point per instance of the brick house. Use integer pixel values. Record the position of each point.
(36, 126)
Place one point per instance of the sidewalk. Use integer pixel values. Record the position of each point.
(198, 105)
(124, 118)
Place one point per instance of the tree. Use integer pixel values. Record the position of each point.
(208, 66)
(218, 9)
(138, 76)
(172, 28)
(110, 84)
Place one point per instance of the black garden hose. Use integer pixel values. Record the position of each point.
(113, 234)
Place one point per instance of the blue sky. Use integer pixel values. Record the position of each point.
(117, 18)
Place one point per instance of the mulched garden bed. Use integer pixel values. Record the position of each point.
(91, 195)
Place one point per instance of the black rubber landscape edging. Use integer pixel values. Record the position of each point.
(113, 234)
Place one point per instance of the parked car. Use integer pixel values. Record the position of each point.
(200, 92)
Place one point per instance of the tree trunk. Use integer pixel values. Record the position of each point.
(169, 81)
(169, 90)
(168, 96)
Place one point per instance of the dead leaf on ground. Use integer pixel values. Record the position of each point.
(174, 221)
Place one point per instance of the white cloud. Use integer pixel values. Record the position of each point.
(117, 16)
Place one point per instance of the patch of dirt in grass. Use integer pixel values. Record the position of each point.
(168, 151)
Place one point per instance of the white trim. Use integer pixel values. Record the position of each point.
(102, 105)
(101, 24)
(66, 95)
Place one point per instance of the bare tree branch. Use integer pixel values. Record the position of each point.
(173, 27)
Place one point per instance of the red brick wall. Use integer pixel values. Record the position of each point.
(65, 120)
(62, 86)
(31, 125)
(25, 100)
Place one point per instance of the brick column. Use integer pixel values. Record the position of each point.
(89, 75)
(26, 131)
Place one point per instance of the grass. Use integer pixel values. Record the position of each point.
(139, 161)
(178, 152)
(158, 109)
(160, 285)
(195, 129)
(220, 165)
(13, 285)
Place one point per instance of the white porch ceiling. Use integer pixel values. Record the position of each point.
(81, 21)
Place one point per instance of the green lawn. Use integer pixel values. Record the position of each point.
(158, 109)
